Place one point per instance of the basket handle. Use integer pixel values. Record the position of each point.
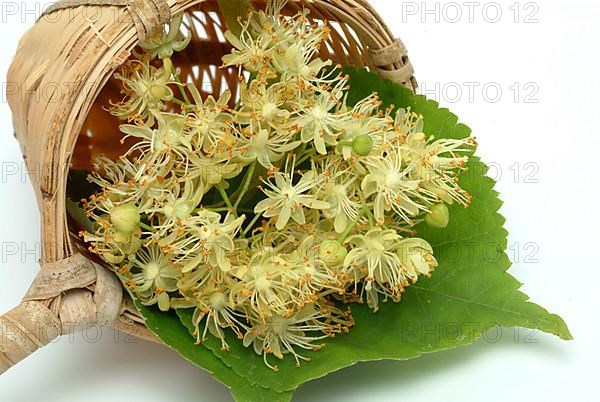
(149, 16)
(66, 297)
(387, 55)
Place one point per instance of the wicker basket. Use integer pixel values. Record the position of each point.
(63, 69)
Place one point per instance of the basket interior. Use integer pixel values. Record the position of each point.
(201, 63)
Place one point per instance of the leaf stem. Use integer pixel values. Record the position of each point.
(225, 197)
(246, 186)
(372, 220)
(181, 87)
(305, 157)
(147, 227)
(350, 227)
(251, 224)
(178, 102)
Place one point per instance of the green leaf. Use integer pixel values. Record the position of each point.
(172, 333)
(469, 293)
(75, 211)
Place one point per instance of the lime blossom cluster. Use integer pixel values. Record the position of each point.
(267, 216)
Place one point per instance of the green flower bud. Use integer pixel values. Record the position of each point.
(362, 145)
(332, 253)
(164, 301)
(438, 216)
(112, 258)
(129, 243)
(125, 218)
(179, 209)
(160, 92)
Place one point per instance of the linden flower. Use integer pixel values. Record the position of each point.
(392, 187)
(252, 50)
(299, 60)
(123, 216)
(286, 200)
(283, 30)
(130, 181)
(168, 139)
(153, 277)
(213, 305)
(340, 193)
(110, 244)
(298, 43)
(203, 239)
(268, 147)
(436, 164)
(146, 88)
(211, 170)
(318, 120)
(209, 120)
(364, 133)
(178, 204)
(265, 285)
(164, 44)
(417, 258)
(282, 335)
(374, 257)
(406, 123)
(315, 279)
(287, 277)
(262, 102)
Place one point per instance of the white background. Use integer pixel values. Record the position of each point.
(550, 50)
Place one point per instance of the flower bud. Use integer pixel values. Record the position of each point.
(362, 145)
(180, 209)
(164, 301)
(160, 92)
(128, 243)
(112, 258)
(332, 253)
(438, 216)
(125, 218)
(269, 111)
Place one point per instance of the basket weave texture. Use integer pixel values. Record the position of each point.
(62, 74)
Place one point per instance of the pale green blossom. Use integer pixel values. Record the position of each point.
(374, 259)
(203, 239)
(146, 90)
(340, 192)
(153, 277)
(436, 162)
(388, 181)
(268, 147)
(213, 307)
(168, 138)
(287, 200)
(164, 43)
(264, 103)
(209, 121)
(320, 119)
